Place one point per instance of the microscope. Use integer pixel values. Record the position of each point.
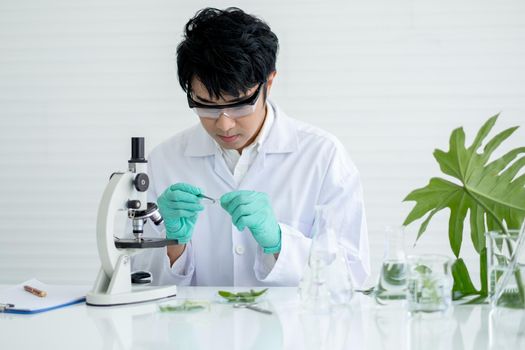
(126, 192)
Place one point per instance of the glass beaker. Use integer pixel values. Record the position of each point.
(506, 288)
(429, 281)
(392, 284)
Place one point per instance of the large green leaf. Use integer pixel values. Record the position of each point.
(463, 285)
(491, 192)
(484, 291)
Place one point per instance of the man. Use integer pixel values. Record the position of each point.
(268, 171)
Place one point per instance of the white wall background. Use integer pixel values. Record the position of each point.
(390, 78)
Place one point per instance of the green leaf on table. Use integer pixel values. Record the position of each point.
(226, 294)
(243, 297)
(256, 294)
(187, 305)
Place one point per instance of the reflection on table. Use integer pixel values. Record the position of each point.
(362, 325)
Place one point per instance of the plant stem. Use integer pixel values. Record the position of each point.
(517, 273)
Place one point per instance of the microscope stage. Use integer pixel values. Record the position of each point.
(144, 242)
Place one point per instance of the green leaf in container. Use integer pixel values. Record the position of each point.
(491, 192)
(423, 269)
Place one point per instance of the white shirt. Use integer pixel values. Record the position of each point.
(240, 163)
(299, 167)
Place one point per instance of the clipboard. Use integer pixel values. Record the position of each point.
(17, 301)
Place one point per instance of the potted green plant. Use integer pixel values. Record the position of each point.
(491, 192)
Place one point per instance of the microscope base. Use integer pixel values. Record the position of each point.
(139, 294)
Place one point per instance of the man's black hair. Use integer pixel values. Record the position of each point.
(229, 51)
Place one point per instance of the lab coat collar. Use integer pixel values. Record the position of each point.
(281, 138)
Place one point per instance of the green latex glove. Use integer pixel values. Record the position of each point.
(253, 210)
(179, 206)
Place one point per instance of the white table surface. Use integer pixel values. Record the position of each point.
(363, 325)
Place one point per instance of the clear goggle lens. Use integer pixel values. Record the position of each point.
(233, 113)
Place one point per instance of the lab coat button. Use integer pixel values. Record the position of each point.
(239, 250)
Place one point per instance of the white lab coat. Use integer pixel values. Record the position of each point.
(299, 166)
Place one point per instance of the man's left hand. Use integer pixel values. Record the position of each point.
(253, 210)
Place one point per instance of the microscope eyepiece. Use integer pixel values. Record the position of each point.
(137, 150)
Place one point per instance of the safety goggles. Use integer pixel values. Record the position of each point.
(234, 110)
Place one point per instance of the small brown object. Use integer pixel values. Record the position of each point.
(34, 291)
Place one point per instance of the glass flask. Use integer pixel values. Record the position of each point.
(326, 280)
(392, 284)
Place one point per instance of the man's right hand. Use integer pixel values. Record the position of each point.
(179, 206)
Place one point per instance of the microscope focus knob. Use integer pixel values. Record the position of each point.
(141, 182)
(133, 204)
